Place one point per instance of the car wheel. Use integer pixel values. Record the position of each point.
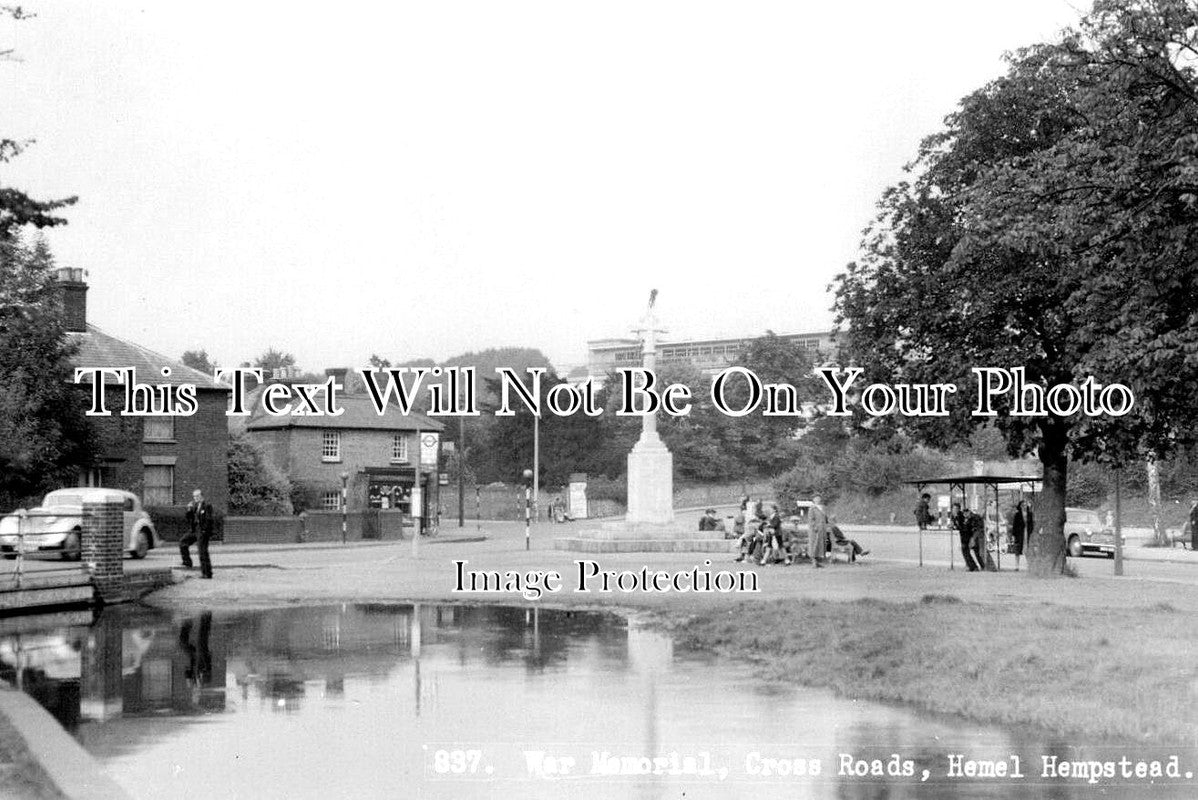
(72, 546)
(1075, 547)
(143, 545)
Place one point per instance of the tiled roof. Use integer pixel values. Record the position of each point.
(100, 349)
(358, 414)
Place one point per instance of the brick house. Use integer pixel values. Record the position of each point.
(376, 454)
(160, 458)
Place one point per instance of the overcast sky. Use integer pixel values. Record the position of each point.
(424, 178)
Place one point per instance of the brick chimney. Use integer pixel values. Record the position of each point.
(74, 298)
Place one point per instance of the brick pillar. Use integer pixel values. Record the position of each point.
(103, 546)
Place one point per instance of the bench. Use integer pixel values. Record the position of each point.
(841, 548)
(1181, 537)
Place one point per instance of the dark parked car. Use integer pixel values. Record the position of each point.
(1086, 535)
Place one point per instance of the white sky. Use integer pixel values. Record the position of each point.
(424, 178)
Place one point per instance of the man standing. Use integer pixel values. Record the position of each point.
(1193, 525)
(817, 531)
(964, 523)
(1021, 528)
(200, 520)
(923, 512)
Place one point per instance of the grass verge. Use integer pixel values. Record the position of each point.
(1096, 673)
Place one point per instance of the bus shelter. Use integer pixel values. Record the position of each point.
(990, 486)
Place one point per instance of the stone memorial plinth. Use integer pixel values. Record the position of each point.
(649, 525)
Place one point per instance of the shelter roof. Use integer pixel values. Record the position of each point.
(990, 480)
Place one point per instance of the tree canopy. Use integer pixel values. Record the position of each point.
(44, 435)
(199, 360)
(1051, 226)
(18, 209)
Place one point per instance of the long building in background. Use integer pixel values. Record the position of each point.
(708, 355)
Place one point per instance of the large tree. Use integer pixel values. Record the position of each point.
(1051, 225)
(765, 445)
(17, 209)
(44, 435)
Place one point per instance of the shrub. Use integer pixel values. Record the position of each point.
(603, 488)
(879, 468)
(1088, 485)
(803, 481)
(256, 487)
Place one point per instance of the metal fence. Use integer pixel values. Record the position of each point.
(16, 570)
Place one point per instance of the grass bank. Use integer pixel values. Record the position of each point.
(1099, 674)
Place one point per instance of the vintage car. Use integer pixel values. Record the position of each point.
(58, 524)
(1086, 535)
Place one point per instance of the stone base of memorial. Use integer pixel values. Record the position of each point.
(649, 526)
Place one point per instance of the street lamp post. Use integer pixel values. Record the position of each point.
(528, 473)
(461, 472)
(344, 503)
(417, 502)
(536, 464)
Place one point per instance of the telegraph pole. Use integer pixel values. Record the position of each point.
(461, 472)
(1118, 524)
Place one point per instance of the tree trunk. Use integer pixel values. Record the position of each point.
(1046, 545)
(1154, 500)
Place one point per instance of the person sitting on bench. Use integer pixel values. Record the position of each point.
(772, 538)
(840, 540)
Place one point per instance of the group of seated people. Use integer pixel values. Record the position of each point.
(765, 538)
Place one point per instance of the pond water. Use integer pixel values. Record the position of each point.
(392, 701)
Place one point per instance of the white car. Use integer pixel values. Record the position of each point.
(58, 524)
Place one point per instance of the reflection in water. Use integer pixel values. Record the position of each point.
(375, 700)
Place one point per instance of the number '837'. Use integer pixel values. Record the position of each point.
(456, 762)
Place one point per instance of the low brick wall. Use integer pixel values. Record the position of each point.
(315, 526)
(171, 522)
(325, 526)
(263, 530)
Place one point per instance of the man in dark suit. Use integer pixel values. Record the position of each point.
(1022, 525)
(923, 512)
(201, 520)
(966, 527)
